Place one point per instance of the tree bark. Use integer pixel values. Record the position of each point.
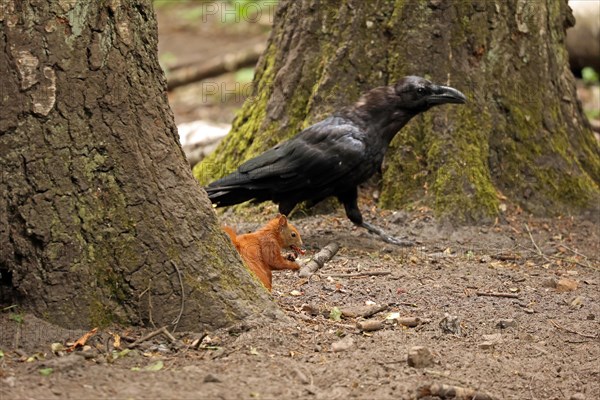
(521, 137)
(101, 220)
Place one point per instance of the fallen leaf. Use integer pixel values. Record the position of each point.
(157, 366)
(57, 347)
(576, 303)
(46, 371)
(335, 314)
(82, 340)
(36, 357)
(253, 351)
(393, 315)
(117, 340)
(296, 293)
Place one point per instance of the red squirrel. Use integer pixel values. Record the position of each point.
(261, 250)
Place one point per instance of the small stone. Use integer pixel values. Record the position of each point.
(485, 259)
(419, 357)
(506, 323)
(486, 345)
(529, 310)
(549, 283)
(369, 325)
(342, 345)
(369, 24)
(576, 303)
(301, 376)
(566, 285)
(495, 337)
(10, 381)
(310, 309)
(577, 396)
(296, 293)
(451, 324)
(211, 378)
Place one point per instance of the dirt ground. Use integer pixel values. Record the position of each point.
(540, 342)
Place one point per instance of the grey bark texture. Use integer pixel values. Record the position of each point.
(521, 140)
(101, 220)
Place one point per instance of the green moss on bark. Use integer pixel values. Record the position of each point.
(521, 135)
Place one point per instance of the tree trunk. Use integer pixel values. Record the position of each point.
(101, 220)
(522, 136)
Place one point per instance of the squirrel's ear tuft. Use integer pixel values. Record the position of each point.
(282, 220)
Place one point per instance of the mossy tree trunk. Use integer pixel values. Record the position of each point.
(100, 218)
(522, 135)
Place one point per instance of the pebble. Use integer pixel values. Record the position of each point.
(577, 396)
(301, 376)
(10, 381)
(211, 378)
(485, 259)
(486, 345)
(506, 323)
(419, 357)
(450, 324)
(549, 283)
(566, 285)
(342, 345)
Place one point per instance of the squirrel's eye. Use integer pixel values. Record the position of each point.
(293, 234)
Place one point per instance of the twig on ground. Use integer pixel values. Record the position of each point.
(451, 392)
(564, 328)
(539, 251)
(357, 274)
(176, 320)
(369, 325)
(496, 294)
(319, 260)
(149, 336)
(364, 312)
(549, 258)
(576, 252)
(196, 344)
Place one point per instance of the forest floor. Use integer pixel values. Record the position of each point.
(539, 342)
(508, 311)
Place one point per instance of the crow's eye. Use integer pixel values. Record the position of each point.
(421, 90)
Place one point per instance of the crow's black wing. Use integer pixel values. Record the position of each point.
(313, 164)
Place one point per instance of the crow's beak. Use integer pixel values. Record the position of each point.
(446, 94)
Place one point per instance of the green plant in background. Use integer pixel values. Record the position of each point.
(590, 76)
(13, 315)
(244, 75)
(164, 3)
(18, 318)
(166, 60)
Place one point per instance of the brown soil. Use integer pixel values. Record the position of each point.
(549, 350)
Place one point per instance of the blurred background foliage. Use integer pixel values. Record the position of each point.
(196, 35)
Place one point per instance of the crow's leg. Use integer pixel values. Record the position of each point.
(349, 199)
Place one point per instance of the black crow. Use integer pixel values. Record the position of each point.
(333, 156)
